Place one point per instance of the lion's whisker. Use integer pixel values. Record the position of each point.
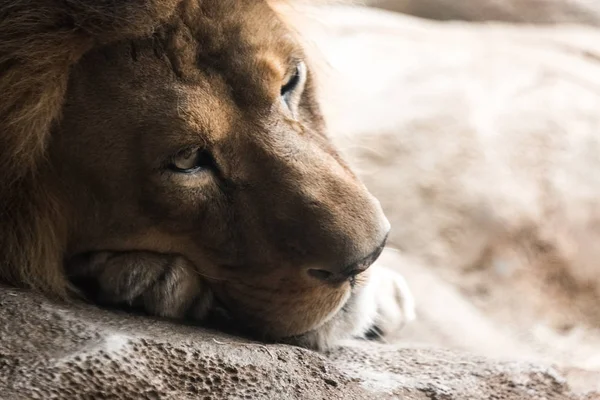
(212, 278)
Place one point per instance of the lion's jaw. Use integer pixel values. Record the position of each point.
(275, 200)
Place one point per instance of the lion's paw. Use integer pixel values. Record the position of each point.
(161, 285)
(393, 302)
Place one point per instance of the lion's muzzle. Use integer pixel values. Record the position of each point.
(335, 275)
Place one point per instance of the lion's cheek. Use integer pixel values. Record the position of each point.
(282, 311)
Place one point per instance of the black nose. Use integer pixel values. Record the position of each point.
(335, 275)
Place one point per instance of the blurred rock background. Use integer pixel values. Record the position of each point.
(478, 127)
(518, 11)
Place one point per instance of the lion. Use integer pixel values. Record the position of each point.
(170, 156)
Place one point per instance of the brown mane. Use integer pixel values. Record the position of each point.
(39, 42)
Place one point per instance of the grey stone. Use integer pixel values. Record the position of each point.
(58, 351)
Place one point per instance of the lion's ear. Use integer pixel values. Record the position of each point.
(39, 42)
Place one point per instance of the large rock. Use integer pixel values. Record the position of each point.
(518, 11)
(52, 351)
(483, 144)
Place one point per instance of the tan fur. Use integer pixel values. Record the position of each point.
(98, 96)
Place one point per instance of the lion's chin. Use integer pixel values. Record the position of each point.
(281, 315)
(347, 296)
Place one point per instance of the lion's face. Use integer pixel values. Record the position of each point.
(206, 140)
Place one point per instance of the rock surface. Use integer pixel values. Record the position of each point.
(52, 351)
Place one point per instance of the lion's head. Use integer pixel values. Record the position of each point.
(190, 128)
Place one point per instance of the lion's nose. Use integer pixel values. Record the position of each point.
(339, 275)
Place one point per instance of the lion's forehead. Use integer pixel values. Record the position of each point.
(208, 68)
(239, 39)
(231, 54)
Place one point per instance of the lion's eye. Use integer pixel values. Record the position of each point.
(291, 90)
(191, 160)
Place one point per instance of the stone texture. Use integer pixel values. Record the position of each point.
(53, 351)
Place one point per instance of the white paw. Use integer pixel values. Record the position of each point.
(393, 301)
